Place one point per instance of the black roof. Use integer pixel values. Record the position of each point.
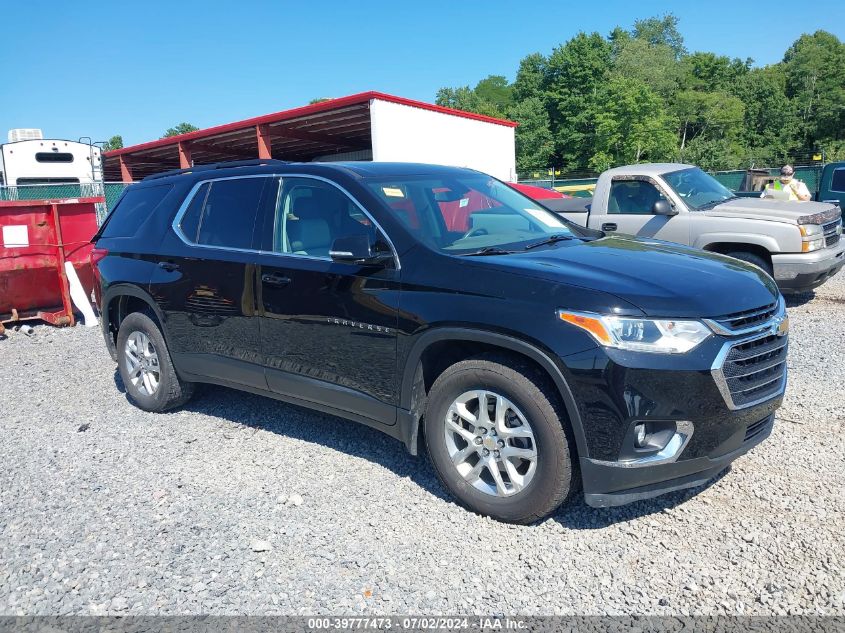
(361, 169)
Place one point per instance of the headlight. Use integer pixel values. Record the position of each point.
(812, 237)
(663, 336)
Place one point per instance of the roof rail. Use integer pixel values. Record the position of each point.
(252, 162)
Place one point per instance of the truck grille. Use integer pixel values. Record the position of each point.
(754, 370)
(832, 232)
(747, 318)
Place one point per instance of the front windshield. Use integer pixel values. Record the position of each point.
(466, 213)
(697, 189)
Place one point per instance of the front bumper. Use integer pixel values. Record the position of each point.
(608, 485)
(801, 272)
(691, 393)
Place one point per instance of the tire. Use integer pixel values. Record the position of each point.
(157, 388)
(753, 258)
(533, 492)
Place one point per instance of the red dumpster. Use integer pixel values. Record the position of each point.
(37, 237)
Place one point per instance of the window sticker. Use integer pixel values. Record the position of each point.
(464, 202)
(393, 192)
(16, 236)
(546, 219)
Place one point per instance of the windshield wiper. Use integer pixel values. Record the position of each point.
(715, 203)
(489, 250)
(551, 239)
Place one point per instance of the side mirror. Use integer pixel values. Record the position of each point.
(357, 249)
(662, 207)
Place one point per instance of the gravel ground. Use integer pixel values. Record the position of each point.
(240, 504)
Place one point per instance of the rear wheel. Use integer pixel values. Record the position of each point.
(145, 366)
(496, 438)
(753, 258)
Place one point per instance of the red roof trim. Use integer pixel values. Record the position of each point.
(314, 108)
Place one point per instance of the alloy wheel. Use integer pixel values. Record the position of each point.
(491, 443)
(142, 364)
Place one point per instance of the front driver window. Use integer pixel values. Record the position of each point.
(633, 197)
(311, 215)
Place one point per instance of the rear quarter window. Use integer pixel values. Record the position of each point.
(136, 205)
(837, 182)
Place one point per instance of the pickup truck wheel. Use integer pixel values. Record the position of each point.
(145, 366)
(752, 258)
(497, 441)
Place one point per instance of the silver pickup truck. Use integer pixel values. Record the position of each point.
(797, 243)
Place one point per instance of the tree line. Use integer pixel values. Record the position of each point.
(638, 95)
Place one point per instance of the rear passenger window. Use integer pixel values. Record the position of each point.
(224, 212)
(136, 205)
(229, 214)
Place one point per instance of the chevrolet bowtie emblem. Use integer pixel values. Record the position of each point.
(783, 327)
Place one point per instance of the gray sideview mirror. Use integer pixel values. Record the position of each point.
(662, 207)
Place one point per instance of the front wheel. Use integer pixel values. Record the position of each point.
(497, 439)
(145, 366)
(753, 258)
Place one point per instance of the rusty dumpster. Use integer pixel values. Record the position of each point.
(37, 237)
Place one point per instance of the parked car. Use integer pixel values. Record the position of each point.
(532, 357)
(797, 243)
(539, 193)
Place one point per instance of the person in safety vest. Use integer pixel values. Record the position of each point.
(786, 187)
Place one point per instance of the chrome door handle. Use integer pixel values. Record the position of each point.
(609, 226)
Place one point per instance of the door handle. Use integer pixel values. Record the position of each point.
(168, 266)
(272, 279)
(609, 226)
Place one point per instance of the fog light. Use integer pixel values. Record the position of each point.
(639, 435)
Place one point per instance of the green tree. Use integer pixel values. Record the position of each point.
(319, 100)
(495, 90)
(769, 129)
(466, 99)
(530, 77)
(632, 125)
(653, 64)
(712, 115)
(182, 128)
(708, 71)
(115, 142)
(815, 82)
(661, 31)
(574, 74)
(534, 144)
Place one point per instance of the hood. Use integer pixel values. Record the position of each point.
(787, 211)
(659, 278)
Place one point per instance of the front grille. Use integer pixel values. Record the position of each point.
(747, 318)
(831, 232)
(754, 370)
(757, 428)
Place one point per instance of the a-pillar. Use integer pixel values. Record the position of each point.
(184, 155)
(265, 144)
(125, 171)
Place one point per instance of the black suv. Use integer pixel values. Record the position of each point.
(531, 354)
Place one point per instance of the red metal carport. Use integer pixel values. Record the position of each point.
(334, 126)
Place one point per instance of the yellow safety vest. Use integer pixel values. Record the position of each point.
(777, 185)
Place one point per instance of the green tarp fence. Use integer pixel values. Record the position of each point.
(731, 179)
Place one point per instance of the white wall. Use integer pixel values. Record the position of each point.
(407, 134)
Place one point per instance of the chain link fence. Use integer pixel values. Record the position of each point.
(111, 191)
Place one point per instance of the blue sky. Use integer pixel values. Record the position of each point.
(80, 68)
